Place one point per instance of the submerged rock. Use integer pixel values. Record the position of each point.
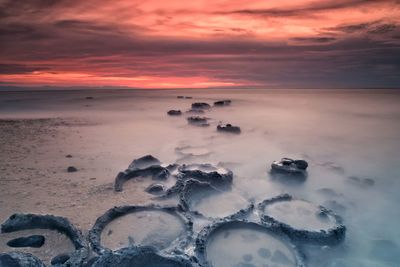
(35, 241)
(19, 259)
(201, 105)
(173, 112)
(198, 121)
(222, 103)
(228, 128)
(289, 166)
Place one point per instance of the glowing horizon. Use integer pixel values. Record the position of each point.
(200, 44)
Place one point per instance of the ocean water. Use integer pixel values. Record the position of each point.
(350, 138)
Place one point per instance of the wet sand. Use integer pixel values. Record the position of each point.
(342, 134)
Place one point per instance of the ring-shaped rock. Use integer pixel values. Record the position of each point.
(140, 257)
(20, 221)
(193, 186)
(204, 237)
(329, 236)
(181, 241)
(19, 259)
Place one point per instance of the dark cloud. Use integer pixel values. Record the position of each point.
(314, 39)
(310, 8)
(19, 69)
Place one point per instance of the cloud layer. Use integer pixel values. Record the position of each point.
(168, 44)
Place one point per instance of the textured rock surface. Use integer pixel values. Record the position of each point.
(19, 259)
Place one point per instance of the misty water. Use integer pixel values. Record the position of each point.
(350, 138)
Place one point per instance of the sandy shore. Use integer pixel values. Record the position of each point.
(38, 130)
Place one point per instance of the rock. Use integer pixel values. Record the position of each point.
(195, 111)
(228, 128)
(68, 156)
(198, 121)
(201, 105)
(147, 166)
(144, 162)
(180, 96)
(35, 241)
(155, 189)
(173, 112)
(301, 164)
(19, 259)
(89, 97)
(289, 166)
(60, 259)
(72, 169)
(222, 103)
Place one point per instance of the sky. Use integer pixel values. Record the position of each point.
(200, 43)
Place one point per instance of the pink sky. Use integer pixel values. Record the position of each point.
(200, 44)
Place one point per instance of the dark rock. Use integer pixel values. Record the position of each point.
(222, 103)
(72, 169)
(301, 164)
(19, 259)
(195, 111)
(289, 166)
(89, 97)
(228, 128)
(68, 156)
(198, 121)
(35, 241)
(201, 105)
(180, 96)
(144, 162)
(155, 189)
(173, 112)
(60, 259)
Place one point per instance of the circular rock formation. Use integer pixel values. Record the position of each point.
(302, 220)
(180, 240)
(203, 199)
(142, 167)
(230, 243)
(228, 128)
(140, 257)
(19, 259)
(20, 221)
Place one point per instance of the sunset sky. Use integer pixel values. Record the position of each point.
(200, 44)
